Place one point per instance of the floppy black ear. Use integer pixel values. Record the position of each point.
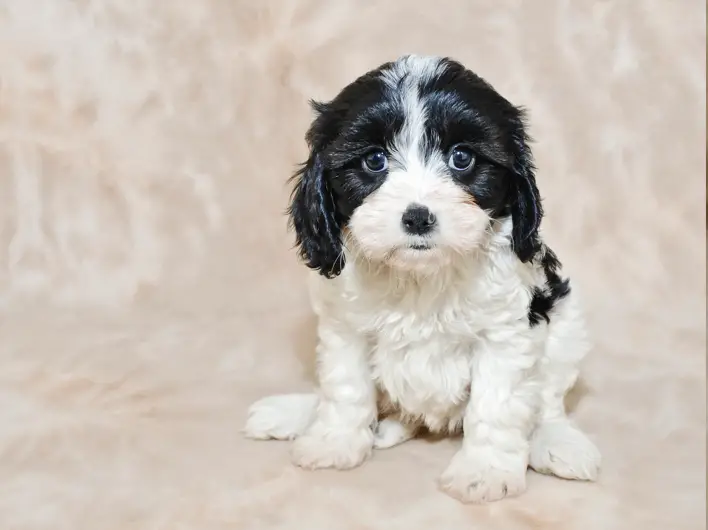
(526, 207)
(312, 208)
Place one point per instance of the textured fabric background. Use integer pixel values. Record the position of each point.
(149, 292)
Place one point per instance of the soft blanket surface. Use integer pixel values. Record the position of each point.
(149, 291)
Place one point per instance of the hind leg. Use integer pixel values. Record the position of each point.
(558, 447)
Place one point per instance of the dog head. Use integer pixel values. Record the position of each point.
(410, 164)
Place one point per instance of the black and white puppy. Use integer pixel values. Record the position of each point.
(439, 306)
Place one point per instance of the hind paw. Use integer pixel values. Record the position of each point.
(282, 417)
(560, 449)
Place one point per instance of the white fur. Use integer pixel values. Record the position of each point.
(281, 417)
(391, 431)
(441, 336)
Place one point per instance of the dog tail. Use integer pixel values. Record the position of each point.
(281, 417)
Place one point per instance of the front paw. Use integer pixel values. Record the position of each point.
(480, 476)
(332, 449)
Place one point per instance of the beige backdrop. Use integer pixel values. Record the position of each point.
(149, 291)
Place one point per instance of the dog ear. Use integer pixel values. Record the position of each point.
(312, 209)
(526, 207)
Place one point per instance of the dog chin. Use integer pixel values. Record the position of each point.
(418, 259)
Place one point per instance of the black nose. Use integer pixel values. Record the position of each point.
(418, 220)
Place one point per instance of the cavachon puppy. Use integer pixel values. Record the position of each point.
(439, 305)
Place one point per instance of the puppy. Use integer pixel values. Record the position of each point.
(439, 305)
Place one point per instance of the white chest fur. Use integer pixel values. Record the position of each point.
(421, 336)
(426, 376)
(421, 350)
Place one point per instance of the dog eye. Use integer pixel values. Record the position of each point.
(461, 158)
(375, 161)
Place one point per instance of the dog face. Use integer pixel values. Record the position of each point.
(410, 164)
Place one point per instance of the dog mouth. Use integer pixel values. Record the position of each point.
(419, 246)
(415, 251)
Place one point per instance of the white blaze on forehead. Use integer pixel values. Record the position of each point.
(405, 77)
(421, 68)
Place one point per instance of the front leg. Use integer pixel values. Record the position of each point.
(341, 434)
(493, 460)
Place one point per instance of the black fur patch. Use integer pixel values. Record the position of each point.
(545, 298)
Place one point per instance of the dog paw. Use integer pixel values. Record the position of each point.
(281, 417)
(560, 449)
(390, 432)
(334, 449)
(473, 477)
